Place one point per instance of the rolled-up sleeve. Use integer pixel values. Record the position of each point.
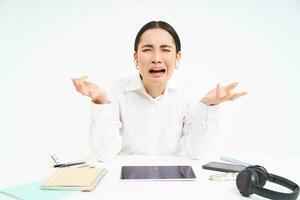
(105, 139)
(200, 126)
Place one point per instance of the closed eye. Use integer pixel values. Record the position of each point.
(145, 50)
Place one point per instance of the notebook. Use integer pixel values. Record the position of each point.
(31, 191)
(84, 179)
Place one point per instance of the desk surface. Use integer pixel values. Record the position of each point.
(111, 187)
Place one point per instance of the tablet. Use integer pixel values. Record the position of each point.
(157, 173)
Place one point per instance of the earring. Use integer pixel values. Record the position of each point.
(136, 64)
(177, 64)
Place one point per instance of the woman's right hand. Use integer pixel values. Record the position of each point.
(89, 89)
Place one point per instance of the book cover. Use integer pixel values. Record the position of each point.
(84, 179)
(32, 191)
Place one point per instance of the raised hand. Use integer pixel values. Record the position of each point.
(90, 90)
(221, 94)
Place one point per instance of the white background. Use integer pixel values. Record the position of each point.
(45, 43)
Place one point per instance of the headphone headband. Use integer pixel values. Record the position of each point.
(270, 194)
(258, 189)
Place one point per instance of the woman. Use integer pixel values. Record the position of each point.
(149, 113)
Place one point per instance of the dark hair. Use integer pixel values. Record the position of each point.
(158, 24)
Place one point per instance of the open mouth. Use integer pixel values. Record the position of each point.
(153, 71)
(157, 72)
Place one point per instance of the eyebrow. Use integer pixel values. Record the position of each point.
(166, 46)
(151, 46)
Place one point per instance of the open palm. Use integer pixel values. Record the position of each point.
(221, 94)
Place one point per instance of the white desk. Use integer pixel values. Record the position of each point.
(111, 187)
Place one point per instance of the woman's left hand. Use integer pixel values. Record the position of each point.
(221, 94)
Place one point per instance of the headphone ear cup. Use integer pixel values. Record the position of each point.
(245, 181)
(261, 173)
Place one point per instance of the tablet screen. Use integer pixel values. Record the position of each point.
(158, 172)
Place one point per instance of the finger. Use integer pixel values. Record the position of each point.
(83, 87)
(234, 97)
(92, 95)
(88, 83)
(232, 85)
(227, 94)
(228, 90)
(81, 81)
(83, 78)
(237, 95)
(244, 93)
(218, 90)
(85, 90)
(80, 85)
(74, 81)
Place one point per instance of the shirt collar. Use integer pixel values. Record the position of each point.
(135, 83)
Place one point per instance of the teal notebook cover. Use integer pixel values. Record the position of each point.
(32, 191)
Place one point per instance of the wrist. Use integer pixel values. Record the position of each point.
(100, 100)
(208, 103)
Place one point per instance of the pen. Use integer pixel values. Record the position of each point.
(54, 158)
(234, 161)
(68, 164)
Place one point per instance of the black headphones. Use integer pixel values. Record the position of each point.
(252, 179)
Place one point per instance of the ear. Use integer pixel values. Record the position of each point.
(178, 55)
(135, 60)
(135, 55)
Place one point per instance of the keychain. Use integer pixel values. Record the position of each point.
(223, 177)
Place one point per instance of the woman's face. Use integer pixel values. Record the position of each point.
(156, 56)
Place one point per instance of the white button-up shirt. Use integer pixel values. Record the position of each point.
(136, 123)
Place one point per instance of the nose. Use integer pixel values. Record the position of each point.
(156, 58)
